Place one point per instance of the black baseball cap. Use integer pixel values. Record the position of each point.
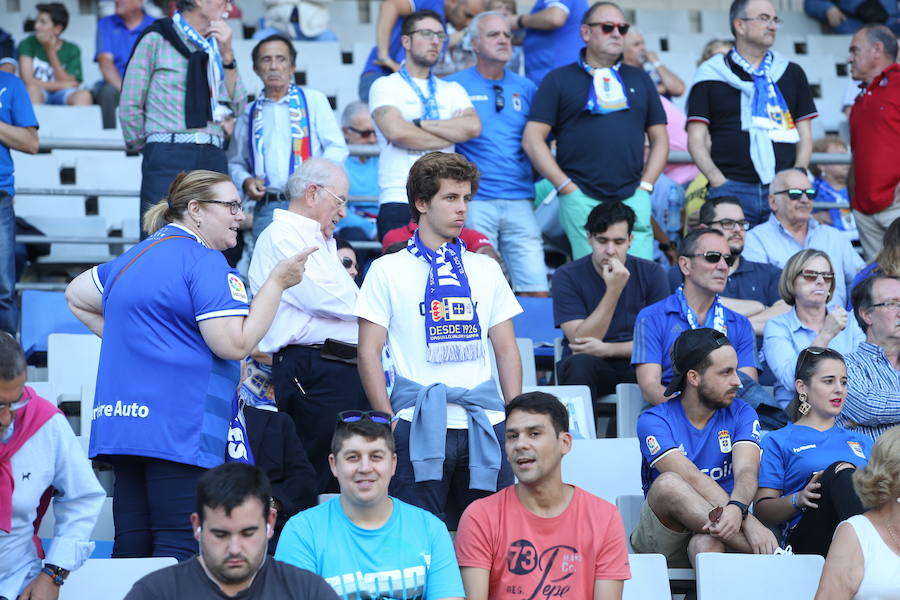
(689, 350)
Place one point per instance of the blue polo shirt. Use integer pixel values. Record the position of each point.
(750, 281)
(161, 392)
(665, 428)
(16, 110)
(547, 49)
(659, 325)
(505, 168)
(115, 38)
(395, 48)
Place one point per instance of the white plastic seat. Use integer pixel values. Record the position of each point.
(577, 400)
(74, 253)
(828, 43)
(630, 510)
(608, 468)
(754, 576)
(526, 354)
(117, 575)
(649, 578)
(104, 530)
(662, 21)
(629, 405)
(122, 173)
(72, 361)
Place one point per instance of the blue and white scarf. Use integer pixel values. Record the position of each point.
(607, 94)
(301, 146)
(237, 448)
(452, 330)
(715, 317)
(764, 113)
(215, 72)
(429, 104)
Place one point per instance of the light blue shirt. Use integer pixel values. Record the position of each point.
(771, 243)
(873, 393)
(784, 337)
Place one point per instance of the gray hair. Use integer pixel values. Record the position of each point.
(879, 34)
(473, 28)
(12, 359)
(350, 111)
(315, 171)
(185, 5)
(738, 10)
(780, 175)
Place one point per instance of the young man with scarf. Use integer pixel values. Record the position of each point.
(414, 113)
(180, 82)
(704, 259)
(599, 110)
(756, 108)
(40, 459)
(285, 126)
(434, 307)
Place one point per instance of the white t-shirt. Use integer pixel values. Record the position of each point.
(393, 296)
(395, 161)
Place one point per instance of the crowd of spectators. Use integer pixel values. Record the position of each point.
(372, 379)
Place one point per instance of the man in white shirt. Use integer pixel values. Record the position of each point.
(285, 126)
(313, 335)
(39, 454)
(448, 413)
(415, 113)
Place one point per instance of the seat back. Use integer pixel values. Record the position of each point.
(109, 578)
(577, 400)
(649, 578)
(753, 576)
(609, 467)
(630, 509)
(72, 361)
(629, 405)
(45, 313)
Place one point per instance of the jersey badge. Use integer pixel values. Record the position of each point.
(857, 449)
(236, 287)
(724, 441)
(517, 102)
(652, 444)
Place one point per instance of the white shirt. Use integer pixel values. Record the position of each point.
(393, 296)
(52, 456)
(319, 307)
(881, 565)
(395, 161)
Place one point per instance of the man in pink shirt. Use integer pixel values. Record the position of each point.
(541, 536)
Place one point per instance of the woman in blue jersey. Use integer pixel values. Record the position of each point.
(805, 477)
(175, 319)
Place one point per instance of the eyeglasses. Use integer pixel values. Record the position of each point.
(355, 416)
(429, 35)
(810, 275)
(18, 404)
(796, 193)
(362, 132)
(890, 304)
(499, 102)
(608, 26)
(729, 224)
(341, 202)
(234, 205)
(347, 262)
(765, 19)
(714, 257)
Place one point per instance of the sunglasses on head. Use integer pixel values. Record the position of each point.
(796, 193)
(499, 102)
(810, 275)
(804, 354)
(608, 26)
(355, 416)
(714, 257)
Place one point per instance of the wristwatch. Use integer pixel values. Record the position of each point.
(744, 508)
(646, 186)
(231, 65)
(57, 574)
(417, 123)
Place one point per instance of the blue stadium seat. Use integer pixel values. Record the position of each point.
(44, 313)
(536, 323)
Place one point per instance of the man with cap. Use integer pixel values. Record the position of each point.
(700, 458)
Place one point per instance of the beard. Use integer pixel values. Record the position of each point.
(711, 399)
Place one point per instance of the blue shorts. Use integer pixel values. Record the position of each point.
(59, 96)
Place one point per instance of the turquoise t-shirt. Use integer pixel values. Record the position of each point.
(410, 557)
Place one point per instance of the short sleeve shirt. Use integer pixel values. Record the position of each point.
(161, 392)
(15, 110)
(578, 288)
(530, 556)
(547, 49)
(603, 154)
(395, 47)
(113, 37)
(719, 105)
(665, 428)
(410, 556)
(69, 57)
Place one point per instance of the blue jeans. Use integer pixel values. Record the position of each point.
(754, 198)
(8, 315)
(449, 497)
(262, 215)
(511, 227)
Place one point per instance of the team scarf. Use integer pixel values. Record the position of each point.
(429, 104)
(301, 146)
(452, 330)
(215, 72)
(607, 94)
(237, 448)
(768, 109)
(715, 318)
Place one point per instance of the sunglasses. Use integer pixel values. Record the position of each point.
(499, 102)
(796, 193)
(714, 257)
(608, 26)
(355, 416)
(362, 132)
(810, 275)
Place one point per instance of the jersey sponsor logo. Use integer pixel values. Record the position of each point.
(478, 97)
(725, 441)
(395, 583)
(236, 287)
(857, 449)
(140, 411)
(554, 567)
(517, 102)
(652, 444)
(717, 473)
(799, 449)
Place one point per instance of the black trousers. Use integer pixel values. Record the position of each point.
(600, 374)
(813, 533)
(313, 390)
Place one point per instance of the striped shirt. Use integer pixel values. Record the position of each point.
(872, 405)
(153, 92)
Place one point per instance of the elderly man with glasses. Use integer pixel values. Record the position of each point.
(313, 336)
(791, 228)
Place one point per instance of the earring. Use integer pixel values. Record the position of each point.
(197, 223)
(804, 407)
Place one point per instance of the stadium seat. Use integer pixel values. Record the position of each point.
(73, 122)
(43, 314)
(526, 354)
(44, 389)
(72, 361)
(36, 170)
(794, 22)
(608, 468)
(103, 530)
(630, 509)
(629, 405)
(649, 578)
(662, 22)
(87, 409)
(821, 43)
(117, 575)
(536, 323)
(714, 23)
(577, 399)
(122, 173)
(73, 253)
(753, 576)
